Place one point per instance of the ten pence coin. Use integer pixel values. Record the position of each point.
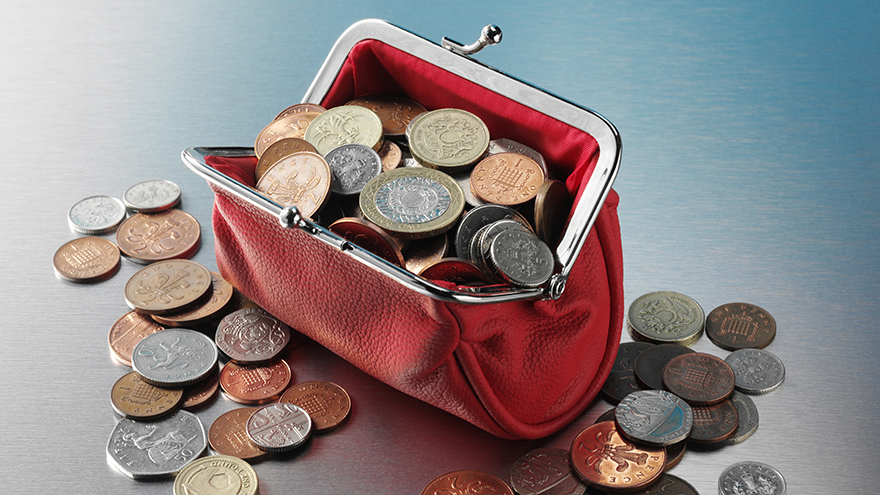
(449, 139)
(666, 317)
(279, 427)
(134, 398)
(255, 384)
(96, 215)
(228, 435)
(302, 180)
(326, 403)
(300, 108)
(175, 357)
(147, 238)
(252, 336)
(151, 196)
(751, 478)
(168, 287)
(217, 474)
(700, 379)
(293, 125)
(278, 150)
(654, 417)
(467, 481)
(605, 460)
(506, 179)
(395, 112)
(141, 449)
(740, 326)
(220, 296)
(86, 259)
(545, 471)
(346, 124)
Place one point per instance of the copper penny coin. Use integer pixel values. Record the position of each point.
(228, 435)
(700, 379)
(422, 252)
(545, 471)
(715, 423)
(292, 125)
(198, 396)
(740, 326)
(279, 427)
(674, 454)
(127, 332)
(134, 398)
(252, 336)
(669, 484)
(650, 363)
(301, 180)
(456, 270)
(168, 286)
(151, 237)
(605, 460)
(278, 150)
(467, 481)
(395, 112)
(621, 380)
(86, 259)
(506, 179)
(220, 297)
(255, 384)
(390, 155)
(552, 206)
(370, 237)
(328, 404)
(300, 108)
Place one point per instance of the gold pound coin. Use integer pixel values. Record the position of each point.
(167, 286)
(506, 179)
(301, 180)
(449, 139)
(293, 125)
(217, 474)
(346, 124)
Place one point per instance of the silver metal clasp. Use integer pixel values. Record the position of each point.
(491, 35)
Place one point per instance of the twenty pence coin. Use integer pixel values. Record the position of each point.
(395, 112)
(449, 139)
(666, 317)
(326, 403)
(255, 384)
(252, 336)
(700, 379)
(346, 124)
(279, 427)
(545, 471)
(86, 259)
(228, 435)
(740, 326)
(147, 238)
(506, 179)
(302, 180)
(203, 475)
(293, 125)
(221, 294)
(134, 398)
(278, 150)
(127, 332)
(141, 449)
(604, 459)
(168, 287)
(175, 357)
(654, 417)
(467, 481)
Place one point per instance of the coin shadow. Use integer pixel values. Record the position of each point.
(295, 453)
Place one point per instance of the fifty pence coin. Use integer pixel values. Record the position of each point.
(352, 166)
(326, 403)
(147, 238)
(506, 179)
(747, 418)
(96, 215)
(654, 417)
(757, 371)
(751, 478)
(228, 435)
(217, 474)
(279, 427)
(666, 317)
(472, 481)
(127, 332)
(302, 180)
(740, 326)
(134, 398)
(86, 259)
(175, 357)
(545, 471)
(158, 448)
(521, 259)
(221, 294)
(151, 196)
(715, 423)
(700, 379)
(255, 384)
(621, 380)
(605, 460)
(346, 124)
(448, 139)
(168, 287)
(252, 336)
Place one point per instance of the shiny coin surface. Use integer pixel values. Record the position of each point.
(650, 363)
(175, 357)
(423, 252)
(147, 238)
(505, 145)
(152, 449)
(326, 403)
(604, 459)
(96, 215)
(252, 336)
(481, 243)
(127, 332)
(521, 259)
(552, 206)
(300, 108)
(370, 237)
(456, 270)
(221, 294)
(751, 478)
(467, 481)
(151, 196)
(412, 203)
(255, 384)
(168, 287)
(740, 326)
(506, 179)
(279, 427)
(346, 124)
(293, 125)
(757, 371)
(278, 150)
(449, 139)
(545, 471)
(352, 166)
(203, 393)
(477, 218)
(464, 182)
(715, 423)
(86, 259)
(302, 180)
(747, 418)
(700, 379)
(654, 417)
(390, 155)
(669, 484)
(217, 474)
(134, 398)
(665, 317)
(228, 435)
(395, 112)
(621, 380)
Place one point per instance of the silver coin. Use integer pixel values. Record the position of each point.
(757, 371)
(156, 448)
(482, 243)
(352, 166)
(96, 215)
(252, 336)
(279, 427)
(654, 417)
(464, 181)
(545, 471)
(174, 357)
(475, 219)
(505, 145)
(751, 478)
(666, 317)
(747, 414)
(521, 258)
(412, 199)
(151, 196)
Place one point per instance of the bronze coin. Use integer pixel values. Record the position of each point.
(370, 237)
(293, 125)
(202, 394)
(300, 108)
(221, 295)
(605, 460)
(456, 270)
(395, 112)
(669, 485)
(86, 259)
(301, 180)
(254, 385)
(650, 363)
(715, 423)
(621, 380)
(151, 237)
(422, 252)
(326, 403)
(390, 155)
(168, 287)
(127, 332)
(228, 435)
(552, 206)
(700, 379)
(606, 416)
(506, 179)
(467, 481)
(134, 398)
(278, 150)
(674, 454)
(740, 326)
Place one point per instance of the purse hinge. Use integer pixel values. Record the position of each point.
(491, 35)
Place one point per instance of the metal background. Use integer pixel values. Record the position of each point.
(750, 173)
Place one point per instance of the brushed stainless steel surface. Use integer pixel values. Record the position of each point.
(750, 174)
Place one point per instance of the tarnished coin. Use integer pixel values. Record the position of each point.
(346, 124)
(674, 454)
(302, 180)
(505, 145)
(370, 237)
(147, 238)
(747, 418)
(621, 380)
(134, 398)
(449, 139)
(545, 471)
(506, 179)
(740, 326)
(757, 371)
(255, 384)
(477, 218)
(252, 336)
(300, 108)
(604, 459)
(96, 215)
(654, 417)
(390, 155)
(467, 481)
(668, 485)
(278, 150)
(412, 203)
(606, 416)
(327, 403)
(175, 357)
(456, 270)
(203, 393)
(279, 427)
(352, 166)
(700, 379)
(650, 363)
(552, 207)
(127, 332)
(220, 296)
(521, 259)
(168, 287)
(228, 435)
(714, 423)
(217, 474)
(395, 112)
(751, 478)
(423, 252)
(86, 259)
(151, 196)
(665, 317)
(293, 125)
(152, 449)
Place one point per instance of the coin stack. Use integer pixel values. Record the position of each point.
(342, 168)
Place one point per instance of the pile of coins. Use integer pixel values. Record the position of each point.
(396, 179)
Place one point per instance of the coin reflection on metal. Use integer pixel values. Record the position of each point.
(228, 435)
(217, 474)
(127, 332)
(254, 384)
(545, 471)
(134, 398)
(604, 459)
(474, 481)
(700, 379)
(86, 259)
(327, 403)
(279, 427)
(740, 326)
